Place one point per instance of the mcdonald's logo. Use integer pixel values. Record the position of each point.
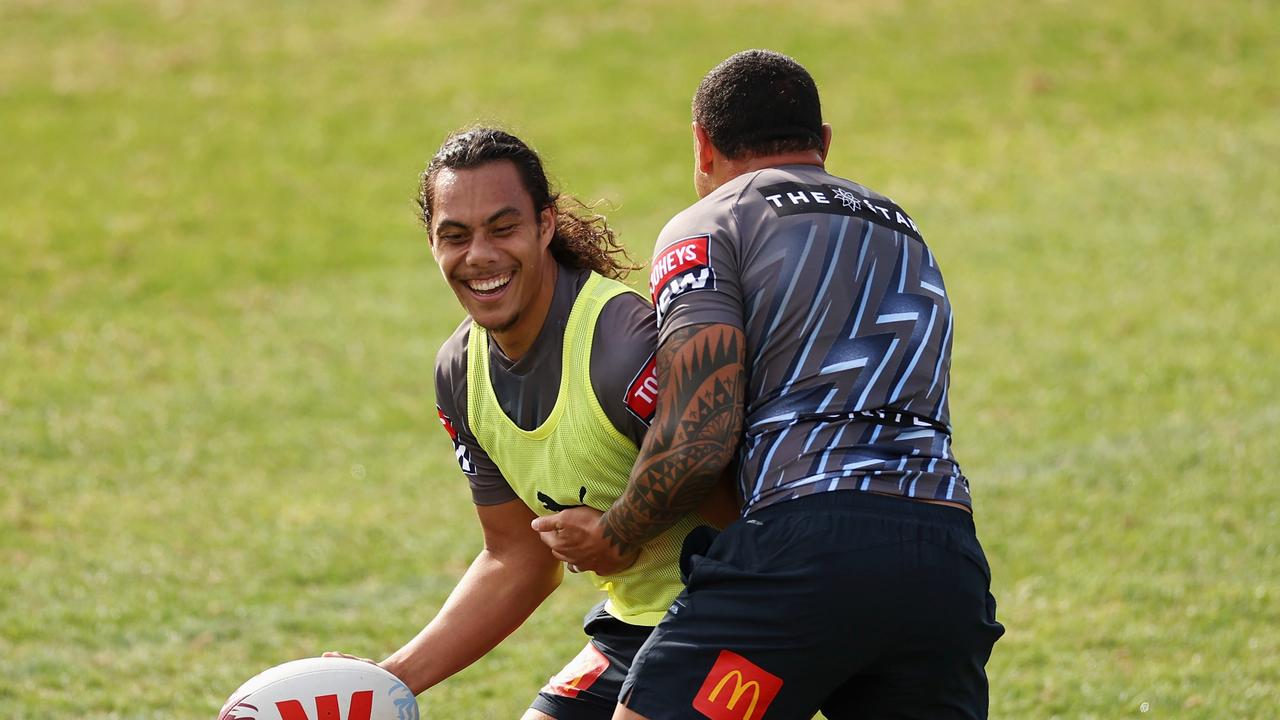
(736, 689)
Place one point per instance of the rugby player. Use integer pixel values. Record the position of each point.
(803, 325)
(546, 389)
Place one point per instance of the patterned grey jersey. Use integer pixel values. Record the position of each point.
(848, 332)
(622, 375)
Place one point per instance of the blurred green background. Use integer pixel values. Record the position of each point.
(218, 318)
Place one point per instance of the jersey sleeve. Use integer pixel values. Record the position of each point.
(622, 364)
(488, 486)
(696, 269)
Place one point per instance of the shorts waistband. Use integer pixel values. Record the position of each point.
(868, 503)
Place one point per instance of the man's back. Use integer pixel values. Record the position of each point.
(804, 324)
(847, 326)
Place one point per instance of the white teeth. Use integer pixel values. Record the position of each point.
(489, 284)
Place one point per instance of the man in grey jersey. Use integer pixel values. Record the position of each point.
(805, 330)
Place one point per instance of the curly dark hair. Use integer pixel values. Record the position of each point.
(757, 103)
(582, 240)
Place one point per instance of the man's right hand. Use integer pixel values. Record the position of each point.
(576, 537)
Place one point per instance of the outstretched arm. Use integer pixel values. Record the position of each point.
(695, 431)
(508, 580)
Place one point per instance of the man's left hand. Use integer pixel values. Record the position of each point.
(576, 537)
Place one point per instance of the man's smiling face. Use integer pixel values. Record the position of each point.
(492, 246)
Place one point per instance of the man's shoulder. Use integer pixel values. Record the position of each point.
(756, 186)
(742, 195)
(451, 359)
(707, 214)
(622, 363)
(621, 291)
(627, 317)
(787, 191)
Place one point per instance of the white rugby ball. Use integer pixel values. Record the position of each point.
(329, 688)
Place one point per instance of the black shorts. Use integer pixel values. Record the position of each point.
(855, 604)
(587, 688)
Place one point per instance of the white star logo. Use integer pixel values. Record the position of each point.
(848, 199)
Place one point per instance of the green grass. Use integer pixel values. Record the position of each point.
(218, 319)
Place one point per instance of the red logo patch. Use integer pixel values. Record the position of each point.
(736, 689)
(685, 255)
(581, 673)
(642, 393)
(681, 268)
(460, 450)
(447, 423)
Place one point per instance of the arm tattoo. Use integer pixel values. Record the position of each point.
(701, 379)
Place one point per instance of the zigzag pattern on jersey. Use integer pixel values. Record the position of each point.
(879, 354)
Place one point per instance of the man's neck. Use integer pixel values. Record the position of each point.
(752, 164)
(737, 168)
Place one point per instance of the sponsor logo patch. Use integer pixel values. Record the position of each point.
(460, 450)
(642, 393)
(580, 674)
(682, 267)
(736, 689)
(790, 198)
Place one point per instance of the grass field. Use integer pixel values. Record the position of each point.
(218, 318)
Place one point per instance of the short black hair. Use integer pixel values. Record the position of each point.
(759, 102)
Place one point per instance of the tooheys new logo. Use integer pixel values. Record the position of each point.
(642, 393)
(681, 268)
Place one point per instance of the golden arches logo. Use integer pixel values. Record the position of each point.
(740, 688)
(736, 689)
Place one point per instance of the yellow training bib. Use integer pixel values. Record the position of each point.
(577, 456)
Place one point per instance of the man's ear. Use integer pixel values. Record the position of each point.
(826, 140)
(704, 151)
(547, 225)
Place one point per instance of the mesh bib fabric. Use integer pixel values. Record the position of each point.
(577, 457)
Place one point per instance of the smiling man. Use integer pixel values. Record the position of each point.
(544, 413)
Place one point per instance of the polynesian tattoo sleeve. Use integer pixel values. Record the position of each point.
(701, 378)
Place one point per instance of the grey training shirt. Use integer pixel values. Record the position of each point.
(848, 332)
